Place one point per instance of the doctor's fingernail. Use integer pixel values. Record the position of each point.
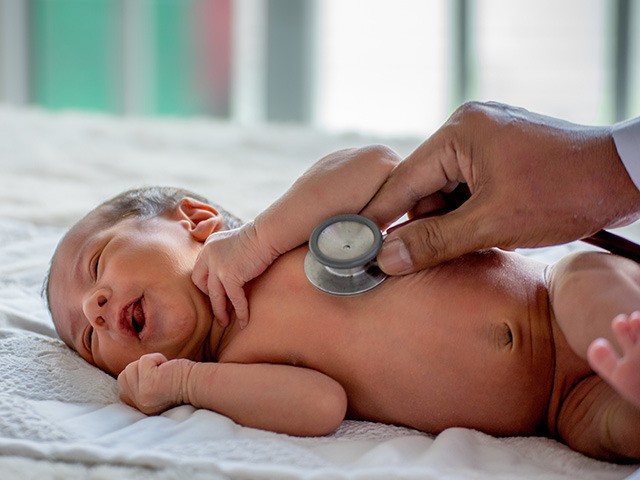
(394, 257)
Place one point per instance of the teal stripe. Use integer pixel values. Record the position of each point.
(173, 36)
(73, 49)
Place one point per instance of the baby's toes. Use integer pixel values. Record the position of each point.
(623, 331)
(634, 326)
(602, 357)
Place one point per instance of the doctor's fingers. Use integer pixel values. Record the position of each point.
(433, 167)
(429, 241)
(439, 203)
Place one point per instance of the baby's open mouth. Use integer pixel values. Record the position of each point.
(137, 317)
(132, 318)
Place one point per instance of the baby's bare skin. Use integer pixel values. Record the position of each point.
(469, 343)
(429, 350)
(485, 341)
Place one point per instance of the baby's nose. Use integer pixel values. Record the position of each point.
(102, 300)
(95, 306)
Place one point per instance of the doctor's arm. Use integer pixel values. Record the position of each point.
(342, 182)
(530, 180)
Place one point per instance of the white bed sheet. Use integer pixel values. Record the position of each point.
(62, 418)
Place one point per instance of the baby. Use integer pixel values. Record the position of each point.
(492, 341)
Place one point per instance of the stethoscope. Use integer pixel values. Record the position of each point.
(342, 255)
(343, 250)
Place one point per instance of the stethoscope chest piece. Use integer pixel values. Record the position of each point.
(342, 255)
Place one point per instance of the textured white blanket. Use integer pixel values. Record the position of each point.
(61, 417)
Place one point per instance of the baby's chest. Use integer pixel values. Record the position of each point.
(323, 340)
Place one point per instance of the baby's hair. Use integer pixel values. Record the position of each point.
(145, 203)
(154, 201)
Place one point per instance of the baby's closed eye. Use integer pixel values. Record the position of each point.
(95, 262)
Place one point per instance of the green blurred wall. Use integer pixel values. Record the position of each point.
(76, 55)
(73, 54)
(173, 61)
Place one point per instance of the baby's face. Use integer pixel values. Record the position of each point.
(120, 292)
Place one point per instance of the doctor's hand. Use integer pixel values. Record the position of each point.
(228, 260)
(530, 180)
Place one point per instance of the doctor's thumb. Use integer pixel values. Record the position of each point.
(422, 243)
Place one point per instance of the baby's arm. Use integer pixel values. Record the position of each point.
(342, 182)
(281, 398)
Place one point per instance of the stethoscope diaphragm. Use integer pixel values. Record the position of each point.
(342, 255)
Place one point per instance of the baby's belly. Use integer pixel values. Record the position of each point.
(487, 376)
(467, 344)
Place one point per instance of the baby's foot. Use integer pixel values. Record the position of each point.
(621, 372)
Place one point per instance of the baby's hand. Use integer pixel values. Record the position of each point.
(228, 260)
(152, 384)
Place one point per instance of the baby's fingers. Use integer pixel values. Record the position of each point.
(125, 395)
(150, 360)
(127, 382)
(218, 300)
(200, 275)
(240, 304)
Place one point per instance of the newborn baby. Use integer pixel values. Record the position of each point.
(152, 287)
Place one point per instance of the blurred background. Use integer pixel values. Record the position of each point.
(381, 66)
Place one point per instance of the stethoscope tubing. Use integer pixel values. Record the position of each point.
(615, 244)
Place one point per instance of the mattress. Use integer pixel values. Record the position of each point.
(62, 417)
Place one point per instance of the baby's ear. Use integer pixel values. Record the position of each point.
(199, 218)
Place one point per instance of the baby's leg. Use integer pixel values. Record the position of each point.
(587, 291)
(622, 372)
(596, 421)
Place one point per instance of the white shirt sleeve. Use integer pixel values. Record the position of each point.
(626, 136)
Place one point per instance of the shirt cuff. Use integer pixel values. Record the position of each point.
(626, 136)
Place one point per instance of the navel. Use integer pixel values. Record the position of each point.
(502, 336)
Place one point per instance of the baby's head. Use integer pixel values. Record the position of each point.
(120, 280)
